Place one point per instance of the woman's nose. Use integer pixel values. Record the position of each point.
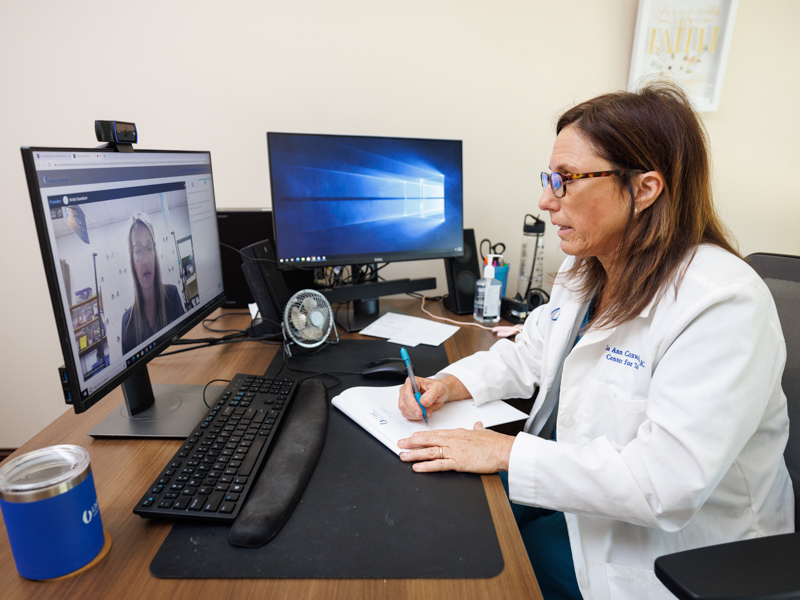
(548, 201)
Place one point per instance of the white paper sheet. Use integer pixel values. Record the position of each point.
(375, 409)
(409, 331)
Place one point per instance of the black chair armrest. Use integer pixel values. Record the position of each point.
(760, 568)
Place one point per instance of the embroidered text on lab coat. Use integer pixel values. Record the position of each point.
(623, 357)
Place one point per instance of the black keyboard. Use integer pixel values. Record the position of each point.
(212, 473)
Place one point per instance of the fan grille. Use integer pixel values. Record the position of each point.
(308, 318)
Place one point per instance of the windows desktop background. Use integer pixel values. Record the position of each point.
(365, 199)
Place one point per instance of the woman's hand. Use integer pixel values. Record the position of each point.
(435, 392)
(477, 451)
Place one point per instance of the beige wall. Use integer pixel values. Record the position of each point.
(211, 75)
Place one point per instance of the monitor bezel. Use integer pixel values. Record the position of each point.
(168, 337)
(365, 259)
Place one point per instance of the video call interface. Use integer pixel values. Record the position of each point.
(122, 227)
(370, 198)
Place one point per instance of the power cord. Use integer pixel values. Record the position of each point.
(218, 341)
(313, 374)
(218, 317)
(500, 330)
(208, 384)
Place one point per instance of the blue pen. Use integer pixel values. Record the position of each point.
(413, 380)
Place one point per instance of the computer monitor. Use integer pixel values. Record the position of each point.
(361, 200)
(132, 259)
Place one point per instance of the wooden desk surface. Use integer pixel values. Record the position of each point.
(124, 468)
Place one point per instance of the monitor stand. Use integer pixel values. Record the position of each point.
(364, 299)
(174, 412)
(358, 314)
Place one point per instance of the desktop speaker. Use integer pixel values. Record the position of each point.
(463, 273)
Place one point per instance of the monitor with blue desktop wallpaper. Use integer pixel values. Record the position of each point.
(132, 259)
(342, 200)
(364, 200)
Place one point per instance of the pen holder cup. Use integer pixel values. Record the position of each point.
(50, 511)
(501, 274)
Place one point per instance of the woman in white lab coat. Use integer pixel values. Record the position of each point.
(669, 423)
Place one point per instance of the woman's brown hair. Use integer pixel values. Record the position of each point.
(654, 129)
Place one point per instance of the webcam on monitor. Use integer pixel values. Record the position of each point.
(120, 134)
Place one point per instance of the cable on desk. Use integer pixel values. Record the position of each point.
(210, 341)
(501, 331)
(218, 341)
(433, 316)
(347, 323)
(208, 384)
(213, 320)
(249, 333)
(315, 373)
(420, 296)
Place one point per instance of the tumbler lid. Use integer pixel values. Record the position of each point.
(43, 473)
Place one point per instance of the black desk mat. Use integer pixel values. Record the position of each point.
(364, 514)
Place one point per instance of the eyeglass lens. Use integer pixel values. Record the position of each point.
(139, 251)
(556, 181)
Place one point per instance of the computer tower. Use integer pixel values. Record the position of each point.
(238, 228)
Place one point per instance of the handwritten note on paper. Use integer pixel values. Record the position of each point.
(375, 409)
(409, 331)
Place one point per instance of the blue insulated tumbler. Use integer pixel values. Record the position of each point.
(50, 511)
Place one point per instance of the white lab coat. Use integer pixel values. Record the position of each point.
(671, 427)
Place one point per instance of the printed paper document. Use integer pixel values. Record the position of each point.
(409, 331)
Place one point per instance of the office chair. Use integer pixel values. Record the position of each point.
(767, 567)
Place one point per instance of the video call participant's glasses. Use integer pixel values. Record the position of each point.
(140, 251)
(559, 181)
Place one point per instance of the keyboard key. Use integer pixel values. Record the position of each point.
(249, 462)
(213, 502)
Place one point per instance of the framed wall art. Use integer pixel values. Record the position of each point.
(684, 40)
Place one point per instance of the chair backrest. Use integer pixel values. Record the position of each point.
(781, 273)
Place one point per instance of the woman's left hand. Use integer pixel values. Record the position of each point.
(478, 451)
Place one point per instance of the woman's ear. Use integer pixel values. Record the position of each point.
(648, 188)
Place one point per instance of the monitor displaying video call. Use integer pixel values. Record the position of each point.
(131, 252)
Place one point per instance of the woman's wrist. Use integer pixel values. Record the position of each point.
(455, 389)
(506, 446)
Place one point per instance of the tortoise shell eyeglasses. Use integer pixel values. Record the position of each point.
(559, 182)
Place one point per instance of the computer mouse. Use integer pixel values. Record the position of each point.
(387, 368)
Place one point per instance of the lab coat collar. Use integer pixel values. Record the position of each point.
(598, 335)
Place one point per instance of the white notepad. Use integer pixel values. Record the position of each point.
(375, 409)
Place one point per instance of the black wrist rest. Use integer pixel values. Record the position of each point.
(287, 470)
